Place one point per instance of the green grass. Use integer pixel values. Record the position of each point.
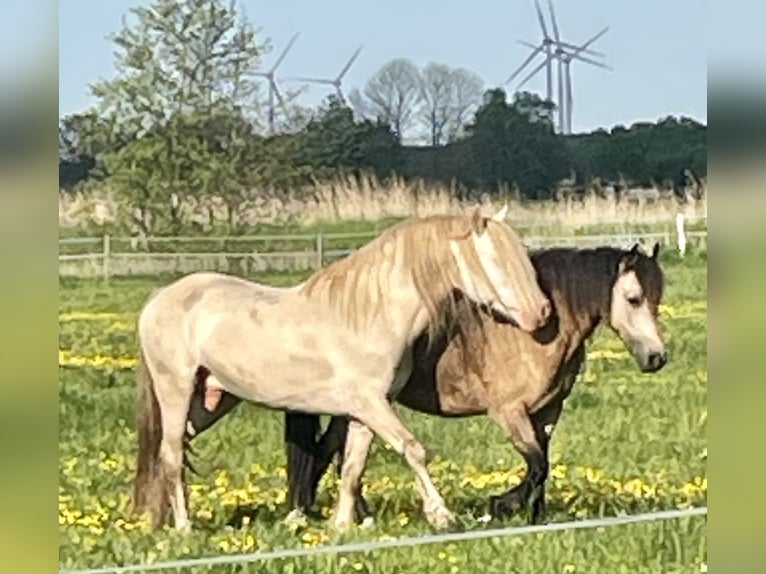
(626, 442)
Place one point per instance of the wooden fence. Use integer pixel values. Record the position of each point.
(120, 256)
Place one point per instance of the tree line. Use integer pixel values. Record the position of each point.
(184, 116)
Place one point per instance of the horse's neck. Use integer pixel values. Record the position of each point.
(405, 313)
(577, 324)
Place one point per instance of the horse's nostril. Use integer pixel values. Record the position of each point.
(658, 360)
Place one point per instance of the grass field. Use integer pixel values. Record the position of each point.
(627, 442)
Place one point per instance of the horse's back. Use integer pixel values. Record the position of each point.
(204, 293)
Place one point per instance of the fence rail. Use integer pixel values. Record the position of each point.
(120, 255)
(398, 542)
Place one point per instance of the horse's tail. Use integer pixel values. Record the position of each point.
(301, 444)
(149, 492)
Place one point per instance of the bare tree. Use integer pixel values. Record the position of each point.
(392, 95)
(465, 95)
(436, 96)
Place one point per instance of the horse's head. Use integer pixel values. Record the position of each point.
(495, 270)
(634, 307)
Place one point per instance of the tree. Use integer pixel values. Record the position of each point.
(391, 95)
(465, 97)
(515, 144)
(334, 143)
(181, 66)
(436, 95)
(447, 98)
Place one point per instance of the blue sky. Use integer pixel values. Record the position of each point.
(658, 48)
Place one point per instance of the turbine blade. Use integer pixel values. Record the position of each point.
(348, 64)
(533, 72)
(587, 51)
(553, 22)
(312, 80)
(284, 52)
(530, 44)
(592, 62)
(541, 19)
(279, 98)
(584, 46)
(537, 50)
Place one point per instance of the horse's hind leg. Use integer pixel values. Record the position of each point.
(517, 424)
(174, 390)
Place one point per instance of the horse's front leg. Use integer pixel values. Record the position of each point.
(537, 495)
(544, 422)
(519, 427)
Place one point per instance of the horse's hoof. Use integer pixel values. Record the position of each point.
(501, 507)
(368, 522)
(341, 524)
(440, 518)
(184, 526)
(295, 517)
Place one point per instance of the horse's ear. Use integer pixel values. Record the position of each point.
(629, 259)
(501, 215)
(636, 249)
(656, 250)
(478, 222)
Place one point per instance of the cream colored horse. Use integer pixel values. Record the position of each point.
(339, 343)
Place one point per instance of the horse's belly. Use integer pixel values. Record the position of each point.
(301, 365)
(284, 388)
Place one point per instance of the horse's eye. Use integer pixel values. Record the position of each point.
(635, 301)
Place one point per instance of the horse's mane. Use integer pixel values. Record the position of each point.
(583, 279)
(353, 285)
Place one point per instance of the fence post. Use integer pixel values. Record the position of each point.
(107, 250)
(680, 231)
(320, 250)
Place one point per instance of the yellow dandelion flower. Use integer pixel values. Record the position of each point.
(222, 479)
(559, 471)
(249, 542)
(592, 475)
(206, 514)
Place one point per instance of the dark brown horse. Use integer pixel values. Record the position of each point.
(485, 366)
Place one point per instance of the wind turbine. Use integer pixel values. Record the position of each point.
(334, 81)
(273, 89)
(564, 53)
(545, 45)
(566, 59)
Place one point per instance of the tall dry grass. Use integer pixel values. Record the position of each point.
(368, 199)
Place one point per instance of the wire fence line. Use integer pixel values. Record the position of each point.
(397, 542)
(109, 256)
